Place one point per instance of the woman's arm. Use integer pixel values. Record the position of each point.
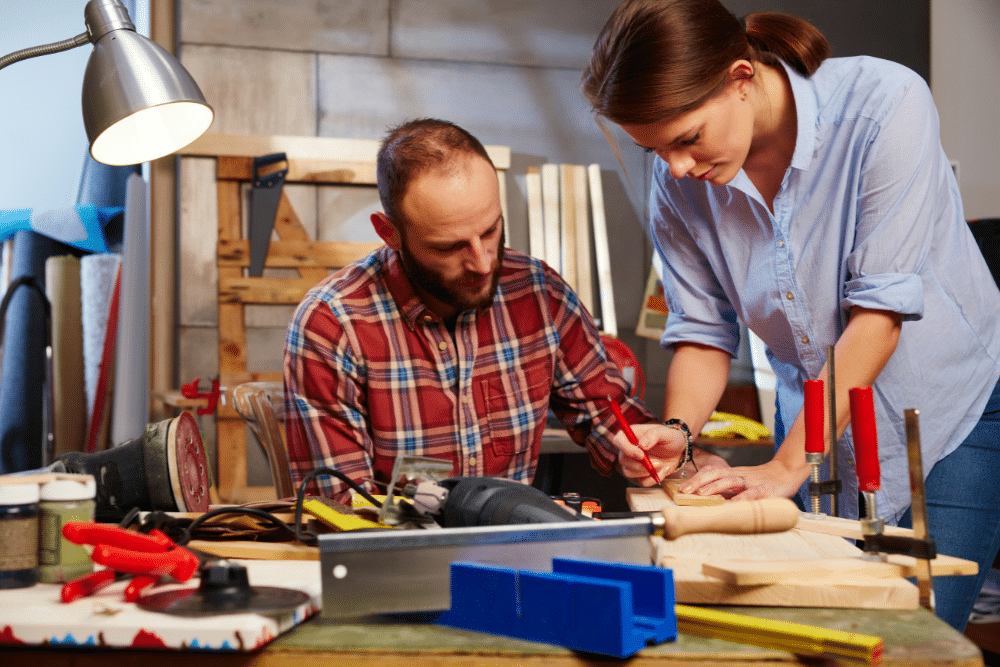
(861, 353)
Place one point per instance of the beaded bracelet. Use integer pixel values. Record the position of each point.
(683, 428)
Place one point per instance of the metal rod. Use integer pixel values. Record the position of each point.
(44, 50)
(832, 400)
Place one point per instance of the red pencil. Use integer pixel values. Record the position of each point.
(631, 438)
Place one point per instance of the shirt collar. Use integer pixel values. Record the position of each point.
(407, 301)
(805, 114)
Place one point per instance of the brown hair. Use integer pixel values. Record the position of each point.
(416, 147)
(657, 59)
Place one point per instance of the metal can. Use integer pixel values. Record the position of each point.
(18, 535)
(62, 500)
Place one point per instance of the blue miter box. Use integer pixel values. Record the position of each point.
(607, 608)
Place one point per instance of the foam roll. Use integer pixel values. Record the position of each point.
(97, 286)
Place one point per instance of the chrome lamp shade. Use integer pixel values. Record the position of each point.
(139, 103)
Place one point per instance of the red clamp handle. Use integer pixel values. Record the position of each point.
(865, 438)
(814, 416)
(86, 585)
(179, 563)
(190, 390)
(83, 532)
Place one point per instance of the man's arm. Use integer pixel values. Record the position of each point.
(324, 420)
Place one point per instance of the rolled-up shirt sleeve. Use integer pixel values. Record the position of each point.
(899, 183)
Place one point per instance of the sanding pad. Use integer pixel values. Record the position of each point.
(188, 464)
(224, 589)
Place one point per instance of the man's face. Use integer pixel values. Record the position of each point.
(453, 242)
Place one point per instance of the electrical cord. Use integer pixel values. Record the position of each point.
(158, 519)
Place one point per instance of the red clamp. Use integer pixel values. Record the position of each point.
(124, 552)
(191, 391)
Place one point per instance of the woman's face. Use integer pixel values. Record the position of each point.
(710, 143)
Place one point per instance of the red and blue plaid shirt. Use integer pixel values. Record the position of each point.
(370, 373)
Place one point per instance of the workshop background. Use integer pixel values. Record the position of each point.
(506, 70)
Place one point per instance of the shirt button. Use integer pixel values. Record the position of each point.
(781, 244)
(472, 460)
(427, 318)
(465, 399)
(805, 339)
(789, 296)
(442, 346)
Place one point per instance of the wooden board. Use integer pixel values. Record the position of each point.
(796, 568)
(670, 487)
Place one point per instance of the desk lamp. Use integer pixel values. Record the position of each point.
(139, 103)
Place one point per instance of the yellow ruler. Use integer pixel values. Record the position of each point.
(782, 635)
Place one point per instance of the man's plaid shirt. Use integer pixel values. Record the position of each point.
(370, 373)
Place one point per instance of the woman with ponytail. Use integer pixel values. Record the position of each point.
(810, 198)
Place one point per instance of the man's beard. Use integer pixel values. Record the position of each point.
(449, 293)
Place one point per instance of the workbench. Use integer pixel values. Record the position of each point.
(913, 638)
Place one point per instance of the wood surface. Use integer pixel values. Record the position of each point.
(799, 567)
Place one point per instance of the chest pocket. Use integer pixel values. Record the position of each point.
(516, 405)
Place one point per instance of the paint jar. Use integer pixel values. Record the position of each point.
(18, 535)
(62, 500)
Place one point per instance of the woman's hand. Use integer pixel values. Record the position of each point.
(770, 480)
(665, 447)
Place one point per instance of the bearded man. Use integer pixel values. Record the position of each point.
(445, 344)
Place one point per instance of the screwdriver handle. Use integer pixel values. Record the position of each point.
(814, 416)
(769, 515)
(865, 438)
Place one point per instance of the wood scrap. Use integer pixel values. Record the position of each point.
(671, 486)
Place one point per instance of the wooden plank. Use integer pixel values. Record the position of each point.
(256, 550)
(235, 288)
(301, 147)
(688, 554)
(567, 226)
(584, 267)
(302, 170)
(602, 254)
(296, 254)
(754, 573)
(536, 223)
(550, 215)
(670, 487)
(231, 456)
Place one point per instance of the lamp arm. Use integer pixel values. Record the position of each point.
(45, 49)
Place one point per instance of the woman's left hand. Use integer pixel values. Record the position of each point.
(769, 480)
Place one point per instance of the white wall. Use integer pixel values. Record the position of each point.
(42, 140)
(965, 61)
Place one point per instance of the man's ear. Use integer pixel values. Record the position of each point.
(386, 230)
